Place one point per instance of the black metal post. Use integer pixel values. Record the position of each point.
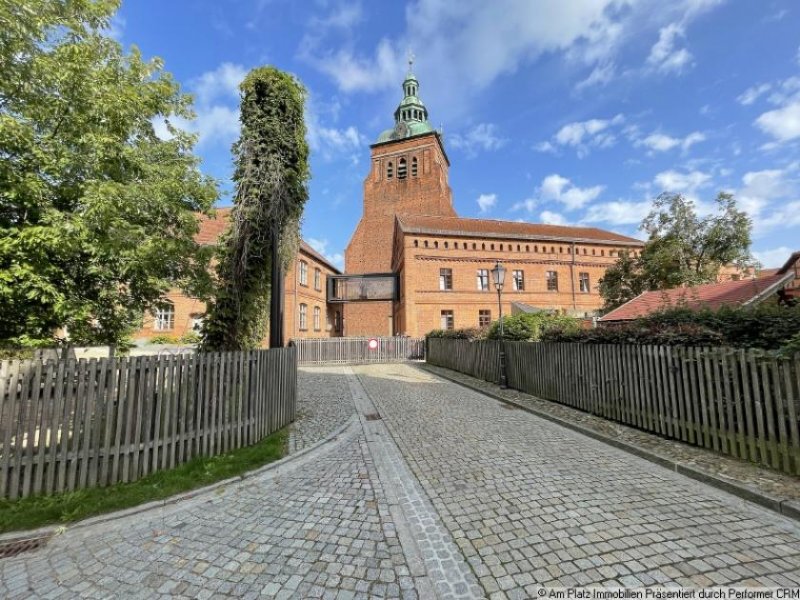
(276, 293)
(503, 377)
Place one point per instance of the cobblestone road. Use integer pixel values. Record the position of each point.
(440, 493)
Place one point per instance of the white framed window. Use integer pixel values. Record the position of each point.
(552, 281)
(483, 280)
(584, 281)
(484, 318)
(447, 321)
(303, 317)
(317, 313)
(519, 281)
(317, 279)
(303, 272)
(164, 318)
(445, 279)
(196, 322)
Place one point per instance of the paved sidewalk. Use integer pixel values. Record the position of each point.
(531, 503)
(428, 491)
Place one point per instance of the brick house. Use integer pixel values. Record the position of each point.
(410, 230)
(307, 313)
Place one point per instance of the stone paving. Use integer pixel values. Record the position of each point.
(533, 504)
(440, 493)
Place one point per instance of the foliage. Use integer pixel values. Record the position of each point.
(36, 511)
(96, 211)
(271, 175)
(468, 333)
(682, 249)
(190, 338)
(525, 327)
(792, 347)
(163, 339)
(769, 327)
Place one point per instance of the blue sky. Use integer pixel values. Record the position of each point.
(576, 112)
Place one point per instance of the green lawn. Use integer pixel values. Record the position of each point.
(36, 511)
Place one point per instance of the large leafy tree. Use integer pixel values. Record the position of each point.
(96, 211)
(271, 177)
(682, 248)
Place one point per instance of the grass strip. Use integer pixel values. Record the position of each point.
(37, 511)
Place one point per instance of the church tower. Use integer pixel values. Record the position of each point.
(408, 176)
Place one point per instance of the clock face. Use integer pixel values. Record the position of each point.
(400, 130)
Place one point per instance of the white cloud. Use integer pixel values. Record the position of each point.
(321, 246)
(480, 137)
(600, 75)
(583, 135)
(659, 142)
(527, 205)
(768, 197)
(469, 44)
(486, 202)
(674, 182)
(618, 212)
(775, 257)
(555, 188)
(552, 218)
(665, 56)
(216, 107)
(783, 124)
(329, 141)
(751, 94)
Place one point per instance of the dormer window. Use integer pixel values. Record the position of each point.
(389, 170)
(401, 168)
(414, 167)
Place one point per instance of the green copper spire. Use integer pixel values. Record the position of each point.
(411, 116)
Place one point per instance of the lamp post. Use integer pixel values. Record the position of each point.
(499, 278)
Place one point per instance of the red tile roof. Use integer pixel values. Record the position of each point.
(712, 295)
(212, 227)
(436, 225)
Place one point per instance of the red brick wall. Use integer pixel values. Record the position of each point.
(295, 294)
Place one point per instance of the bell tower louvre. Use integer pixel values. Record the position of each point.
(408, 176)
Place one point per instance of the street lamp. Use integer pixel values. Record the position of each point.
(499, 278)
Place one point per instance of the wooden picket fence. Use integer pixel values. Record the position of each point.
(736, 402)
(73, 424)
(357, 350)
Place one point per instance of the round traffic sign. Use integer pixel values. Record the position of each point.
(373, 344)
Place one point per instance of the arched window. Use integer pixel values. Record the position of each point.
(455, 245)
(501, 247)
(518, 248)
(435, 244)
(552, 249)
(492, 246)
(474, 246)
(426, 243)
(389, 170)
(602, 252)
(416, 243)
(414, 167)
(561, 249)
(483, 246)
(536, 248)
(446, 244)
(401, 168)
(527, 248)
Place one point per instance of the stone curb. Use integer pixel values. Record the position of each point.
(783, 506)
(141, 508)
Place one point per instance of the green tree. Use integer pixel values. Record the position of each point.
(96, 211)
(682, 249)
(271, 176)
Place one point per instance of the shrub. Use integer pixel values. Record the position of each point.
(190, 337)
(467, 333)
(526, 327)
(163, 338)
(768, 327)
(792, 347)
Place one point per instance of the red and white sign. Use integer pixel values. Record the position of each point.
(373, 344)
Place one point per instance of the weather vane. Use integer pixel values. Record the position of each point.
(411, 58)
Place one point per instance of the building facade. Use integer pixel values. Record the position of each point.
(410, 229)
(307, 313)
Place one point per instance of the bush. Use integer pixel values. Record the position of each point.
(163, 338)
(467, 333)
(768, 327)
(190, 337)
(529, 327)
(792, 347)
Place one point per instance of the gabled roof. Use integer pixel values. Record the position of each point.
(712, 295)
(213, 227)
(487, 228)
(790, 262)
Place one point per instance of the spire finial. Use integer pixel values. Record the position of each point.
(411, 58)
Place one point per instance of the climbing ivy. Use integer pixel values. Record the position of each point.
(271, 175)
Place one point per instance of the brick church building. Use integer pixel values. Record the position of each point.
(413, 265)
(439, 263)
